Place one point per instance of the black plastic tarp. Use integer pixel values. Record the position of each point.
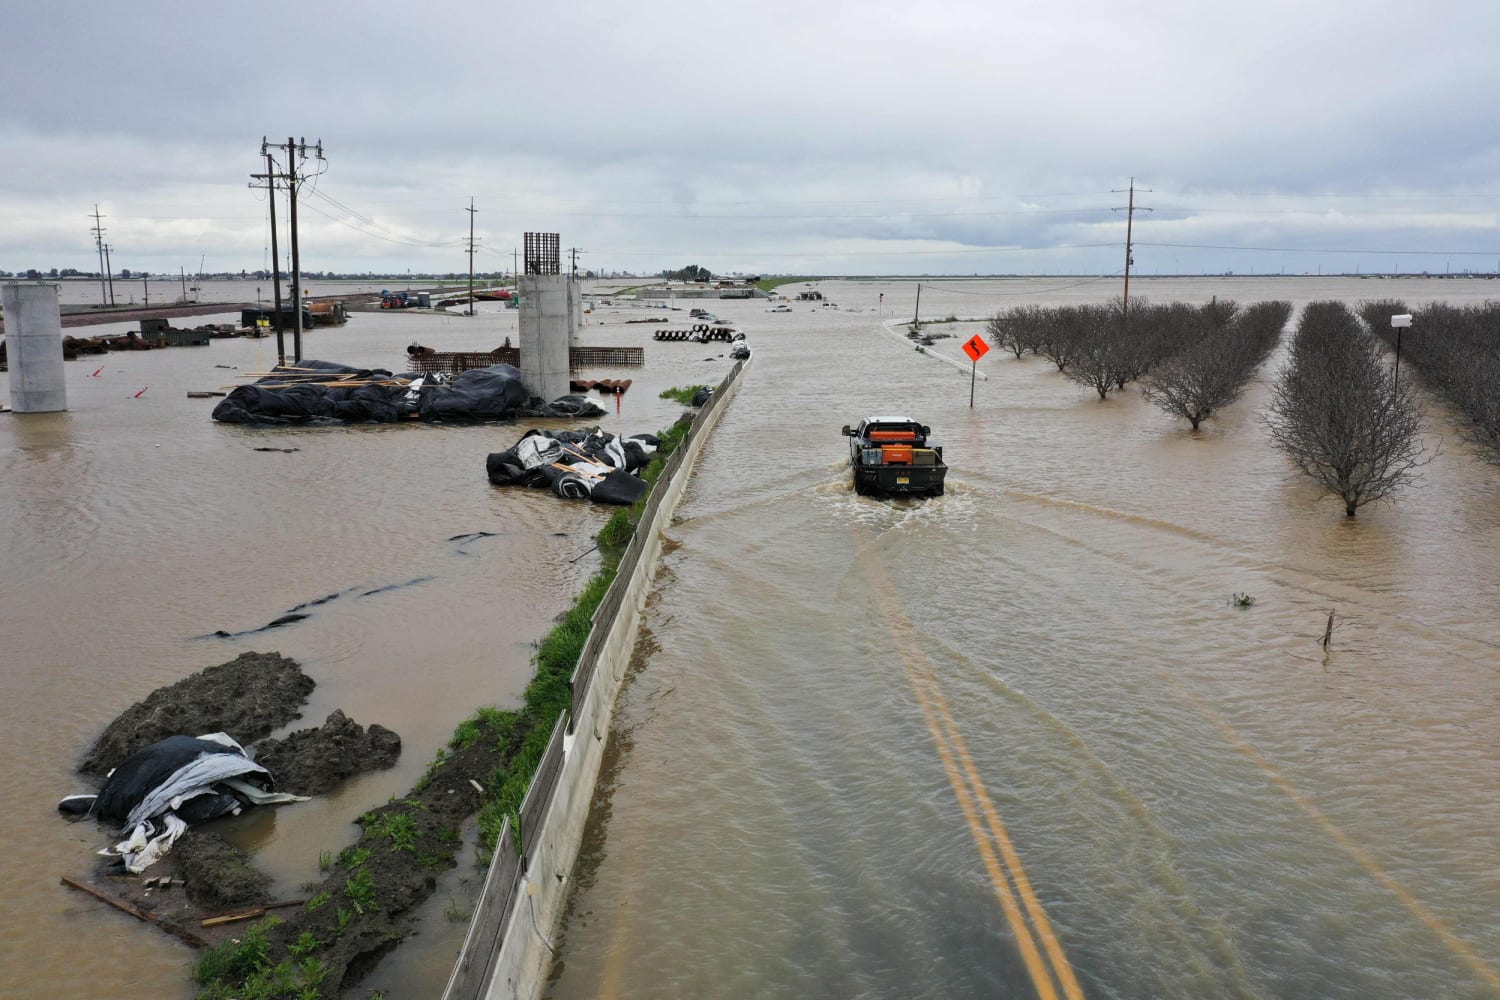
(296, 395)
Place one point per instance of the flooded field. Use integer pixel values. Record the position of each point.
(1019, 740)
(134, 526)
(1016, 734)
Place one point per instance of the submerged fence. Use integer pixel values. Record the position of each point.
(504, 947)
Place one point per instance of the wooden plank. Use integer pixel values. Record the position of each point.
(137, 912)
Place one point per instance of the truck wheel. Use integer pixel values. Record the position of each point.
(859, 489)
(937, 490)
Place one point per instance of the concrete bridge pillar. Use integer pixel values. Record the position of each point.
(33, 347)
(546, 328)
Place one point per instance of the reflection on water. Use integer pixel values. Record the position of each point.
(1203, 800)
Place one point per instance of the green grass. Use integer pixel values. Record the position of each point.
(360, 889)
(682, 394)
(771, 284)
(241, 968)
(556, 657)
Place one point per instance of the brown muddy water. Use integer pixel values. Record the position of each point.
(1017, 740)
(133, 526)
(854, 722)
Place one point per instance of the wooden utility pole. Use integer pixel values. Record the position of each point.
(270, 177)
(296, 154)
(98, 232)
(109, 272)
(918, 310)
(471, 210)
(1129, 210)
(291, 186)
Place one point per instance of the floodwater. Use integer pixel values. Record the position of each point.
(1019, 740)
(132, 526)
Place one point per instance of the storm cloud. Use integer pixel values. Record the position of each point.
(823, 138)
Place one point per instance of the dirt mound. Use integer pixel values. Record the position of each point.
(369, 900)
(216, 874)
(312, 761)
(247, 698)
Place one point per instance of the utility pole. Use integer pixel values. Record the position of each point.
(296, 157)
(515, 267)
(291, 184)
(472, 212)
(98, 231)
(109, 273)
(270, 177)
(915, 313)
(574, 252)
(1129, 210)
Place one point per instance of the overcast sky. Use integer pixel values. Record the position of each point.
(993, 136)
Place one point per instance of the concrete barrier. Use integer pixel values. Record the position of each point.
(508, 950)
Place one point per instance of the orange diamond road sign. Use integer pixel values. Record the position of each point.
(976, 348)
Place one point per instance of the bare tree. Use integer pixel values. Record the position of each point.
(1101, 357)
(1338, 415)
(1060, 335)
(1457, 351)
(1212, 372)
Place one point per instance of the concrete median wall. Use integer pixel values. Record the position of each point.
(509, 951)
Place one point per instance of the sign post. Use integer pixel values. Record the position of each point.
(975, 348)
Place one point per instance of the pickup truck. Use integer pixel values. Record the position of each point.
(891, 456)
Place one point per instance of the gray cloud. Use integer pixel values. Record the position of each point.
(853, 138)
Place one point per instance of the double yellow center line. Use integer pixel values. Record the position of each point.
(1040, 951)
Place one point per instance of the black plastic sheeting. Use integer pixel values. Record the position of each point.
(576, 465)
(493, 393)
(145, 771)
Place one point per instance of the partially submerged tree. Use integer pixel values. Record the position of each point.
(1457, 351)
(1337, 414)
(1017, 330)
(1213, 372)
(1101, 357)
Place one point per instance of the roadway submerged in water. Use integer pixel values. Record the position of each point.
(1021, 739)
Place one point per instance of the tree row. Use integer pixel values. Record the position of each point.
(1192, 360)
(1456, 349)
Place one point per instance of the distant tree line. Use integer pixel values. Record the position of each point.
(1456, 350)
(692, 272)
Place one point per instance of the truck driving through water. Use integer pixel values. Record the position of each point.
(892, 456)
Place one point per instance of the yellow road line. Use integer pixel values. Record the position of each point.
(1060, 964)
(1035, 966)
(969, 789)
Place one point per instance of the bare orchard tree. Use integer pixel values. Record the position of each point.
(1102, 358)
(999, 333)
(1213, 372)
(1336, 413)
(1016, 330)
(1060, 335)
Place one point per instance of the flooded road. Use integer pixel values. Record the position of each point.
(132, 526)
(1018, 740)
